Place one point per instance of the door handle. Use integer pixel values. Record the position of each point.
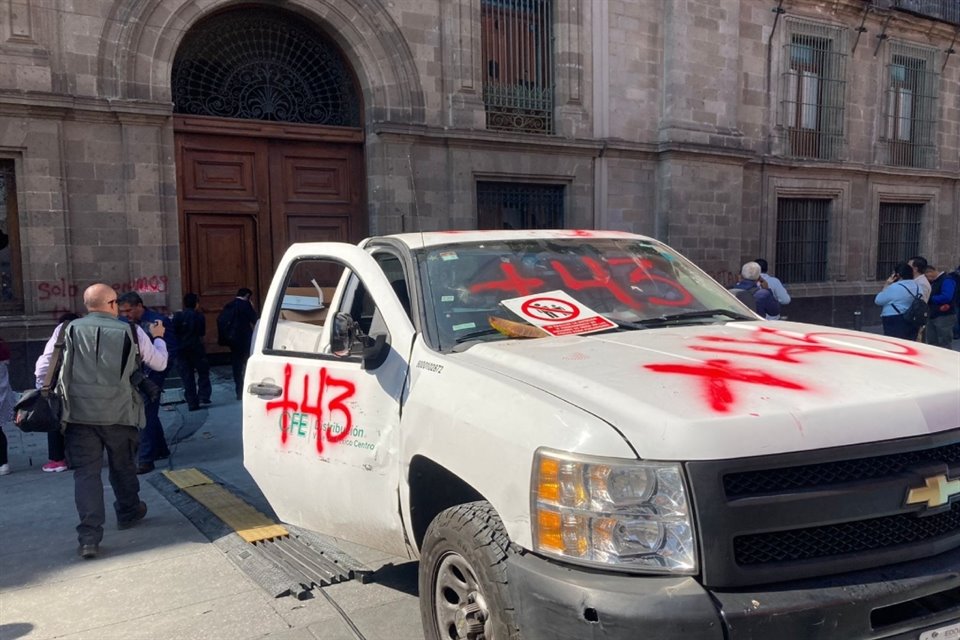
(265, 390)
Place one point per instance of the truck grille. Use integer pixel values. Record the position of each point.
(848, 537)
(816, 513)
(816, 475)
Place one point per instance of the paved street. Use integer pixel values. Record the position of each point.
(164, 578)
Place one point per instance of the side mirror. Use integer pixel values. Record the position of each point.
(343, 335)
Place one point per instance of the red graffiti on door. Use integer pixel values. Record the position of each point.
(317, 407)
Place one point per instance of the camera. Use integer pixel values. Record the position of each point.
(148, 388)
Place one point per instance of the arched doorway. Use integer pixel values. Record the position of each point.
(269, 148)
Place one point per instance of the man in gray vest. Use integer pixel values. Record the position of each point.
(102, 409)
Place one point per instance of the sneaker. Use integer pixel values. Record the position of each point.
(55, 466)
(4, 469)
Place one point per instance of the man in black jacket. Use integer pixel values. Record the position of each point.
(235, 326)
(190, 327)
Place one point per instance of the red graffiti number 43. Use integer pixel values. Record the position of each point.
(329, 399)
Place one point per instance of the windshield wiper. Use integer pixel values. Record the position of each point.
(473, 335)
(693, 315)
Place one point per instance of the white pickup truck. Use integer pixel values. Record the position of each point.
(581, 435)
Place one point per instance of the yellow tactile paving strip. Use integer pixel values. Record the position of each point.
(250, 524)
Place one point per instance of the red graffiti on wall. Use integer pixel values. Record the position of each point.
(781, 346)
(315, 407)
(63, 290)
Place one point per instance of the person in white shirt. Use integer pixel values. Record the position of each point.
(773, 283)
(919, 266)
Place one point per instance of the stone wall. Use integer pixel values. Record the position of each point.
(667, 123)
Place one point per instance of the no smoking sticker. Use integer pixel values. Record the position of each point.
(557, 313)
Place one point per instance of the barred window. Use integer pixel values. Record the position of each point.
(803, 237)
(909, 135)
(518, 79)
(812, 91)
(517, 205)
(11, 294)
(899, 235)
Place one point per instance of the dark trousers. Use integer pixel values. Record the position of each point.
(85, 446)
(897, 327)
(56, 448)
(3, 446)
(238, 362)
(191, 364)
(153, 444)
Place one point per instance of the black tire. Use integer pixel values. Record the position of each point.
(463, 558)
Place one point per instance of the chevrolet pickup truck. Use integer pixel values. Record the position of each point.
(580, 434)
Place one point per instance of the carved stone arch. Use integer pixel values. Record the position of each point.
(141, 37)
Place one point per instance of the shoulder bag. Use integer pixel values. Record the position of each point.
(39, 410)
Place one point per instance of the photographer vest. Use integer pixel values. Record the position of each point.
(98, 361)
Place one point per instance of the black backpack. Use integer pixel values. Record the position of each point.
(918, 312)
(227, 325)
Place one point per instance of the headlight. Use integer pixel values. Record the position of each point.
(627, 514)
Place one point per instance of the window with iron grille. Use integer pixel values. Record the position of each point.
(812, 90)
(909, 135)
(11, 292)
(264, 64)
(942, 10)
(518, 79)
(899, 235)
(517, 205)
(803, 237)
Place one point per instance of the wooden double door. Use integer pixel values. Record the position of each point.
(247, 191)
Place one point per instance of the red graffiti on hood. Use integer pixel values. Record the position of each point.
(715, 376)
(783, 346)
(780, 346)
(317, 409)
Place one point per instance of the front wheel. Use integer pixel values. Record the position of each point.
(464, 590)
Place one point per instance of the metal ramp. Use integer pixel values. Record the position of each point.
(284, 560)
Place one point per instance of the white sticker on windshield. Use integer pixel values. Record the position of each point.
(558, 313)
(447, 298)
(449, 255)
(465, 325)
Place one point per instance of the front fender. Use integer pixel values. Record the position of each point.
(484, 428)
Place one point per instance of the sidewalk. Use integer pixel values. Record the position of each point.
(163, 579)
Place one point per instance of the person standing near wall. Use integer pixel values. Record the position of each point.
(190, 326)
(153, 443)
(773, 283)
(944, 295)
(895, 298)
(56, 448)
(6, 404)
(235, 330)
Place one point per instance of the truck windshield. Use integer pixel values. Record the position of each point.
(634, 283)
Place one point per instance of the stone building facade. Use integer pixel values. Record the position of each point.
(823, 135)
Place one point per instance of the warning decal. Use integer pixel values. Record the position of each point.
(557, 313)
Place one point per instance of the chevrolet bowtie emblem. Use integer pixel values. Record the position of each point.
(936, 493)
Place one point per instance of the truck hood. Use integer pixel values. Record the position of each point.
(740, 389)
